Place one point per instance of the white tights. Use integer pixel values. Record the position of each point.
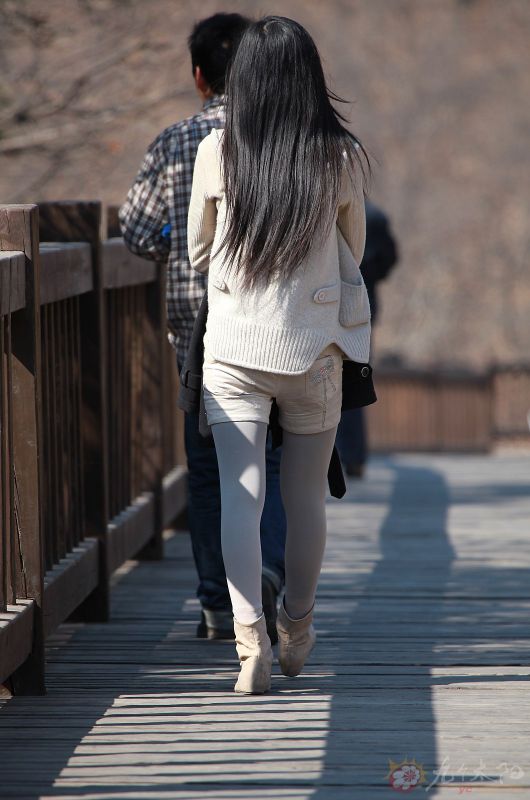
(240, 450)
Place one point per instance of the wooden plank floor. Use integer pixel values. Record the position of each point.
(422, 654)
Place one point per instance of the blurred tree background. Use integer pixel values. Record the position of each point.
(438, 91)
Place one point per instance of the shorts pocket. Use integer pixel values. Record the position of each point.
(323, 373)
(323, 390)
(354, 307)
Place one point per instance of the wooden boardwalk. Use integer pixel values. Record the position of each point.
(423, 654)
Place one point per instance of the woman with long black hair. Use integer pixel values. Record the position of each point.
(277, 219)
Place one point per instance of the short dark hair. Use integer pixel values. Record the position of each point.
(212, 43)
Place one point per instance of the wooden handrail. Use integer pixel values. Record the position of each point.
(66, 270)
(122, 268)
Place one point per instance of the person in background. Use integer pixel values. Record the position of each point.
(153, 221)
(380, 256)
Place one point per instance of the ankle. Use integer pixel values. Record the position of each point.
(296, 612)
(248, 619)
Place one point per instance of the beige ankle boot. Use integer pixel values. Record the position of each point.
(255, 655)
(296, 638)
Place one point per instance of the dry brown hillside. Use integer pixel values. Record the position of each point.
(441, 98)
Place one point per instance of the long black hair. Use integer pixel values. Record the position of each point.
(283, 151)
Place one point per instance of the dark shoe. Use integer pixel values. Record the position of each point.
(354, 470)
(269, 598)
(215, 625)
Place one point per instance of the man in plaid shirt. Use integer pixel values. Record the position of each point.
(155, 215)
(154, 221)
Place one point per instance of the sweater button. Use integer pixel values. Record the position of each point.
(365, 371)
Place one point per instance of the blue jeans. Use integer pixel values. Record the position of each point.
(204, 514)
(351, 437)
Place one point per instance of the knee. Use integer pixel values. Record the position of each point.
(299, 494)
(240, 504)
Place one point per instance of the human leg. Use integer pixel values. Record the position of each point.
(304, 468)
(309, 414)
(273, 529)
(305, 461)
(351, 441)
(273, 522)
(310, 408)
(204, 515)
(234, 395)
(241, 455)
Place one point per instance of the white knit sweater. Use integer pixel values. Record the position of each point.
(284, 327)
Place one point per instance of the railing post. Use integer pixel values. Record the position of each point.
(19, 230)
(80, 222)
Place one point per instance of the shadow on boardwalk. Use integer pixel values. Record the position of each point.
(394, 624)
(139, 708)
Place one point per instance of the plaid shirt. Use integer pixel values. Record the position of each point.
(160, 197)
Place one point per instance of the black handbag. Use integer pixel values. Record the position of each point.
(357, 385)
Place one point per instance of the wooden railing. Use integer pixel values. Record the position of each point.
(451, 412)
(511, 402)
(92, 465)
(91, 446)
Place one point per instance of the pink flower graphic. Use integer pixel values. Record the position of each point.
(405, 776)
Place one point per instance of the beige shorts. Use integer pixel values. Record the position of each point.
(308, 403)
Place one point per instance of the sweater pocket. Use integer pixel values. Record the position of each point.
(327, 294)
(354, 307)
